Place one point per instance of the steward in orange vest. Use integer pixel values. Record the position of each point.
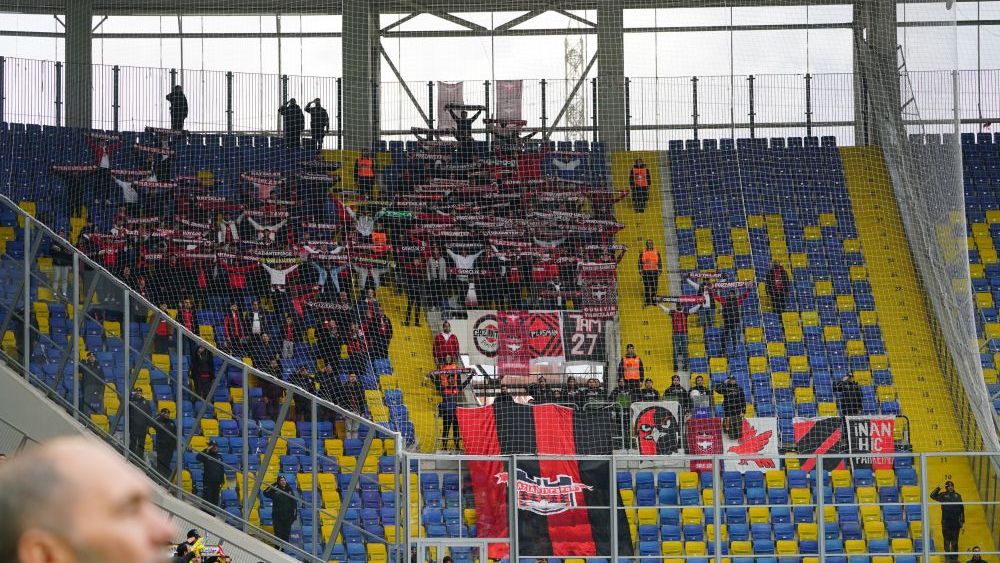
(650, 266)
(639, 181)
(364, 174)
(631, 370)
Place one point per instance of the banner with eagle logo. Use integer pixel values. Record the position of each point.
(757, 446)
(656, 426)
(561, 503)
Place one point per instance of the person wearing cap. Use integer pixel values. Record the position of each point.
(952, 518)
(213, 475)
(850, 395)
(138, 423)
(734, 405)
(164, 442)
(284, 509)
(319, 121)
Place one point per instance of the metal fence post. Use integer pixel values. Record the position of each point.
(809, 112)
(340, 116)
(245, 438)
(513, 521)
(78, 315)
(126, 392)
(115, 70)
(545, 116)
(924, 505)
(820, 486)
(593, 111)
(753, 114)
(313, 448)
(613, 477)
(59, 67)
(628, 114)
(229, 102)
(284, 89)
(430, 103)
(716, 510)
(3, 97)
(179, 399)
(26, 315)
(694, 105)
(173, 78)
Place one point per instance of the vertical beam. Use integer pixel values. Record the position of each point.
(126, 391)
(611, 74)
(245, 442)
(114, 103)
(348, 494)
(78, 319)
(229, 102)
(79, 24)
(26, 316)
(876, 75)
(59, 94)
(3, 97)
(179, 380)
(361, 74)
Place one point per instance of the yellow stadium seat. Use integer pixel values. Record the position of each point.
(808, 531)
(169, 405)
(786, 547)
(101, 421)
(696, 548)
(687, 480)
(845, 303)
(827, 220)
(793, 334)
(824, 287)
(885, 393)
(855, 347)
(776, 349)
(198, 443)
(377, 552)
(223, 411)
(304, 481)
(348, 463)
(691, 515)
(810, 318)
(832, 333)
(647, 516)
(840, 478)
(812, 232)
(991, 331)
(875, 530)
(990, 376)
(781, 380)
(878, 362)
(902, 545)
(858, 273)
(759, 515)
(688, 262)
(804, 395)
(758, 364)
(628, 497)
(916, 529)
(724, 262)
(334, 446)
(704, 247)
(827, 409)
(742, 547)
(161, 362)
(799, 260)
(855, 546)
(754, 334)
(209, 427)
(288, 429)
(868, 318)
(984, 300)
(684, 222)
(669, 548)
(977, 271)
(867, 495)
(236, 393)
(710, 532)
(718, 365)
(29, 207)
(707, 496)
(207, 332)
(327, 480)
(799, 364)
(852, 245)
(388, 381)
(696, 349)
(863, 377)
(745, 274)
(800, 495)
(775, 479)
(882, 559)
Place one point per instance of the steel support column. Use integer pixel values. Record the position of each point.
(611, 74)
(79, 78)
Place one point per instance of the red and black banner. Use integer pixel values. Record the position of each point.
(704, 438)
(563, 504)
(823, 435)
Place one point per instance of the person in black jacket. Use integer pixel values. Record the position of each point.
(178, 108)
(319, 121)
(977, 557)
(352, 398)
(294, 122)
(164, 442)
(777, 284)
(648, 392)
(734, 404)
(214, 474)
(677, 392)
(284, 507)
(850, 395)
(62, 266)
(138, 424)
(952, 518)
(92, 380)
(202, 372)
(328, 343)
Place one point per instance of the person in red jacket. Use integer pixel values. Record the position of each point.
(445, 344)
(777, 284)
(234, 329)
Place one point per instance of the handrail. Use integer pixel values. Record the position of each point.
(177, 326)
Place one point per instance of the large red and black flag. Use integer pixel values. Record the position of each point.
(562, 504)
(822, 435)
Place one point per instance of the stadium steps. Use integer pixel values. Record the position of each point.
(646, 327)
(411, 358)
(902, 313)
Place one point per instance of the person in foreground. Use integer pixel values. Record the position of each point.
(74, 500)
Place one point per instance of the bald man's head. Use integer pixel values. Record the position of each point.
(74, 500)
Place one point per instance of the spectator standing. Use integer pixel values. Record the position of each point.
(284, 507)
(450, 389)
(437, 279)
(352, 399)
(734, 405)
(319, 121)
(445, 344)
(591, 393)
(639, 181)
(178, 108)
(92, 380)
(62, 266)
(138, 424)
(302, 378)
(364, 174)
(850, 395)
(699, 392)
(164, 442)
(357, 350)
(234, 329)
(202, 373)
(328, 343)
(294, 122)
(213, 474)
(679, 332)
(631, 370)
(732, 318)
(677, 392)
(650, 266)
(952, 518)
(777, 284)
(379, 337)
(539, 390)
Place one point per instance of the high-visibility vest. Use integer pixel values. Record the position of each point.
(640, 176)
(380, 242)
(631, 370)
(448, 385)
(366, 168)
(650, 260)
